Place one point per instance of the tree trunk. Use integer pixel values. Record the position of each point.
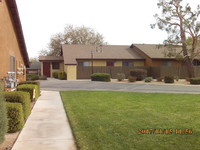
(188, 60)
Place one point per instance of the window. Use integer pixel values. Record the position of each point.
(84, 64)
(110, 63)
(12, 64)
(55, 65)
(127, 64)
(167, 63)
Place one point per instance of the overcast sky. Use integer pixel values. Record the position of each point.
(121, 22)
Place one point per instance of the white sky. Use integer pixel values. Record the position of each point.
(121, 22)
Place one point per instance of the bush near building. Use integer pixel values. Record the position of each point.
(55, 74)
(15, 116)
(132, 79)
(3, 117)
(32, 82)
(105, 77)
(32, 77)
(31, 89)
(20, 97)
(140, 74)
(195, 81)
(169, 79)
(120, 76)
(62, 75)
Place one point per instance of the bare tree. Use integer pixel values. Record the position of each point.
(72, 35)
(180, 22)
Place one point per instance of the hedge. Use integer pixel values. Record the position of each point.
(20, 97)
(55, 74)
(139, 73)
(32, 82)
(3, 118)
(29, 88)
(195, 81)
(32, 77)
(15, 116)
(100, 77)
(169, 79)
(62, 75)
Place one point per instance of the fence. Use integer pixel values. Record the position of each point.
(181, 72)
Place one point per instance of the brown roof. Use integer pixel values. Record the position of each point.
(18, 28)
(47, 58)
(155, 51)
(73, 52)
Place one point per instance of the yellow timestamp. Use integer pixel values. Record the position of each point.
(166, 131)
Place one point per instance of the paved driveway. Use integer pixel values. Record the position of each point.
(63, 85)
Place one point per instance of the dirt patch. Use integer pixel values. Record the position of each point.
(179, 82)
(10, 139)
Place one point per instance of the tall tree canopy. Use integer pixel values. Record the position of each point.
(180, 22)
(72, 35)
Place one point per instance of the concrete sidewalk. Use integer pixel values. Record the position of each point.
(47, 128)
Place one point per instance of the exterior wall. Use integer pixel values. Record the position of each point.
(42, 73)
(138, 63)
(159, 62)
(9, 45)
(51, 68)
(97, 63)
(61, 68)
(71, 71)
(118, 63)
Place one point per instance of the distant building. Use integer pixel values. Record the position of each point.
(77, 60)
(34, 68)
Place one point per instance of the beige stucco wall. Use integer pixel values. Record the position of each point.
(118, 63)
(71, 72)
(9, 45)
(97, 63)
(138, 63)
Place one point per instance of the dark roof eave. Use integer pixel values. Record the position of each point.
(18, 28)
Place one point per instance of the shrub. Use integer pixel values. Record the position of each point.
(42, 77)
(176, 78)
(32, 77)
(3, 117)
(169, 79)
(159, 79)
(120, 76)
(55, 74)
(195, 81)
(62, 75)
(139, 73)
(187, 79)
(100, 77)
(15, 116)
(32, 89)
(20, 97)
(148, 79)
(132, 79)
(31, 82)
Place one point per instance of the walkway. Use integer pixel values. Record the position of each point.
(47, 127)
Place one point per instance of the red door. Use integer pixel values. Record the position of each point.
(46, 69)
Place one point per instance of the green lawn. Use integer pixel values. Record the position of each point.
(105, 120)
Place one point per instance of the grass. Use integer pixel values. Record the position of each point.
(103, 120)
